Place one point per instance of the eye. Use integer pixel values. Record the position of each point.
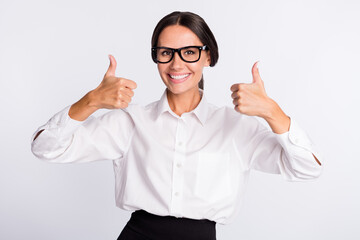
(189, 52)
(165, 52)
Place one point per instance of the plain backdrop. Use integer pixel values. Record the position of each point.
(53, 52)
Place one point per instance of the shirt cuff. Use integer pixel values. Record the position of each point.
(295, 136)
(64, 123)
(61, 125)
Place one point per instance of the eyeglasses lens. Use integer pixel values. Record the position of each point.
(190, 54)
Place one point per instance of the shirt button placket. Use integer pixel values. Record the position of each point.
(178, 173)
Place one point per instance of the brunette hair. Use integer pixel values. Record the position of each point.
(197, 25)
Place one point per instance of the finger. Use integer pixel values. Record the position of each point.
(127, 91)
(241, 109)
(121, 104)
(237, 108)
(125, 98)
(129, 84)
(235, 94)
(112, 67)
(235, 87)
(236, 101)
(255, 72)
(239, 87)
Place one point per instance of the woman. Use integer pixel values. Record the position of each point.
(181, 164)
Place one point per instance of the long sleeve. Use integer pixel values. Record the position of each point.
(65, 140)
(291, 154)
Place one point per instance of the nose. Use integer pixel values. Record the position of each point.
(177, 62)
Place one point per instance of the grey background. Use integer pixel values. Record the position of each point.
(53, 52)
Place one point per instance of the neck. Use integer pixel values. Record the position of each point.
(185, 102)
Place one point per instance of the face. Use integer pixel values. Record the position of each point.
(179, 76)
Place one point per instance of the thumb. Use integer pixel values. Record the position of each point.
(255, 73)
(112, 67)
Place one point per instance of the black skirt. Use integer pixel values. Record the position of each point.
(146, 226)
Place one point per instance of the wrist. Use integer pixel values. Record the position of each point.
(90, 101)
(83, 108)
(270, 110)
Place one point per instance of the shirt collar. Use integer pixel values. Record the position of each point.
(201, 110)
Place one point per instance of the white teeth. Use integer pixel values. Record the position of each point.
(179, 76)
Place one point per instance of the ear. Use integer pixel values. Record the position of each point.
(208, 59)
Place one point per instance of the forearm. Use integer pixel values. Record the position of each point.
(83, 108)
(278, 121)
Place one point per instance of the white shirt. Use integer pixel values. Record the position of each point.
(194, 166)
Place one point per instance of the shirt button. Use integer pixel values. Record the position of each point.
(177, 194)
(180, 143)
(178, 165)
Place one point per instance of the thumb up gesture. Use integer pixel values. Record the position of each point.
(113, 92)
(251, 99)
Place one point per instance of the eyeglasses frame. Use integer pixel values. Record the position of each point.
(178, 50)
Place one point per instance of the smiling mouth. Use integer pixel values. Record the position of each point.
(179, 77)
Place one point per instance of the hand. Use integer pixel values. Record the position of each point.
(113, 92)
(251, 99)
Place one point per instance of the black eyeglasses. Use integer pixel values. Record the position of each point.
(188, 54)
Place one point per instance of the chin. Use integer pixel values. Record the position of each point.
(181, 89)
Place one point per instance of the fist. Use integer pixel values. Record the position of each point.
(251, 98)
(113, 92)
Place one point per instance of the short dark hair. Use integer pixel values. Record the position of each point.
(197, 25)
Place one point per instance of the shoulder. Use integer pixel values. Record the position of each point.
(227, 116)
(130, 114)
(223, 113)
(142, 113)
(114, 117)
